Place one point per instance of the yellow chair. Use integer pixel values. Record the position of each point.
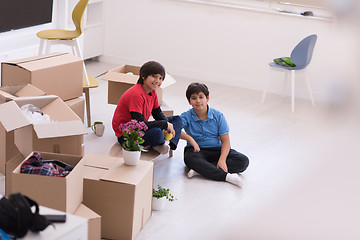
(70, 38)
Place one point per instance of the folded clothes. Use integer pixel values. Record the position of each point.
(36, 165)
(285, 61)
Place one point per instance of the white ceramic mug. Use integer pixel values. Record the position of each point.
(98, 128)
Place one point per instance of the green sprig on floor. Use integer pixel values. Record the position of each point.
(163, 192)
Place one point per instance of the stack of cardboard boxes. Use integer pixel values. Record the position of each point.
(52, 83)
(114, 197)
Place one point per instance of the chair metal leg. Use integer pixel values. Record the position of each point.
(41, 46)
(73, 49)
(266, 85)
(80, 55)
(293, 90)
(309, 88)
(47, 46)
(87, 102)
(285, 83)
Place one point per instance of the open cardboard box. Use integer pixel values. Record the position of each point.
(119, 80)
(18, 134)
(121, 194)
(9, 93)
(78, 106)
(59, 74)
(94, 221)
(60, 193)
(8, 149)
(166, 109)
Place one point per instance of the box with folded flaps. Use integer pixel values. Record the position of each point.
(78, 106)
(61, 193)
(166, 109)
(8, 93)
(94, 221)
(121, 194)
(59, 74)
(64, 134)
(8, 148)
(122, 78)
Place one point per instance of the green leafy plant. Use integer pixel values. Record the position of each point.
(163, 192)
(133, 132)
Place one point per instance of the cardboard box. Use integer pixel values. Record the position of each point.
(119, 81)
(61, 193)
(58, 74)
(9, 93)
(94, 221)
(9, 168)
(121, 194)
(78, 106)
(8, 149)
(116, 151)
(63, 135)
(17, 134)
(166, 109)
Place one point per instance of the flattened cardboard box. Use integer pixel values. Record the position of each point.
(119, 80)
(58, 74)
(117, 151)
(121, 194)
(18, 134)
(60, 193)
(94, 221)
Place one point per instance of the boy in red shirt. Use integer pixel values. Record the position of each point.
(140, 102)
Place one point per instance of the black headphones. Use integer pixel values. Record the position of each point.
(16, 216)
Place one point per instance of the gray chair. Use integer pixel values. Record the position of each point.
(301, 56)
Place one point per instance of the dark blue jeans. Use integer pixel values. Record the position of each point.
(155, 136)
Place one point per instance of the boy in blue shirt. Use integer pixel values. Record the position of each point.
(208, 151)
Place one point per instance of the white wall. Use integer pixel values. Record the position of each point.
(217, 44)
(209, 43)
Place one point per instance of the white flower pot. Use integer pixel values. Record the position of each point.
(131, 157)
(158, 203)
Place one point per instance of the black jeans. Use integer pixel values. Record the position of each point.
(205, 161)
(155, 136)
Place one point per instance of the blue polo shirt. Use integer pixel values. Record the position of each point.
(206, 133)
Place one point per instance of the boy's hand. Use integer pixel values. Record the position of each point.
(170, 129)
(195, 146)
(222, 165)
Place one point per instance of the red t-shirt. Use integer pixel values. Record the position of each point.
(135, 99)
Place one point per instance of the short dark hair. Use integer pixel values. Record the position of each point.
(150, 68)
(196, 88)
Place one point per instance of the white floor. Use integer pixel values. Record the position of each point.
(302, 182)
